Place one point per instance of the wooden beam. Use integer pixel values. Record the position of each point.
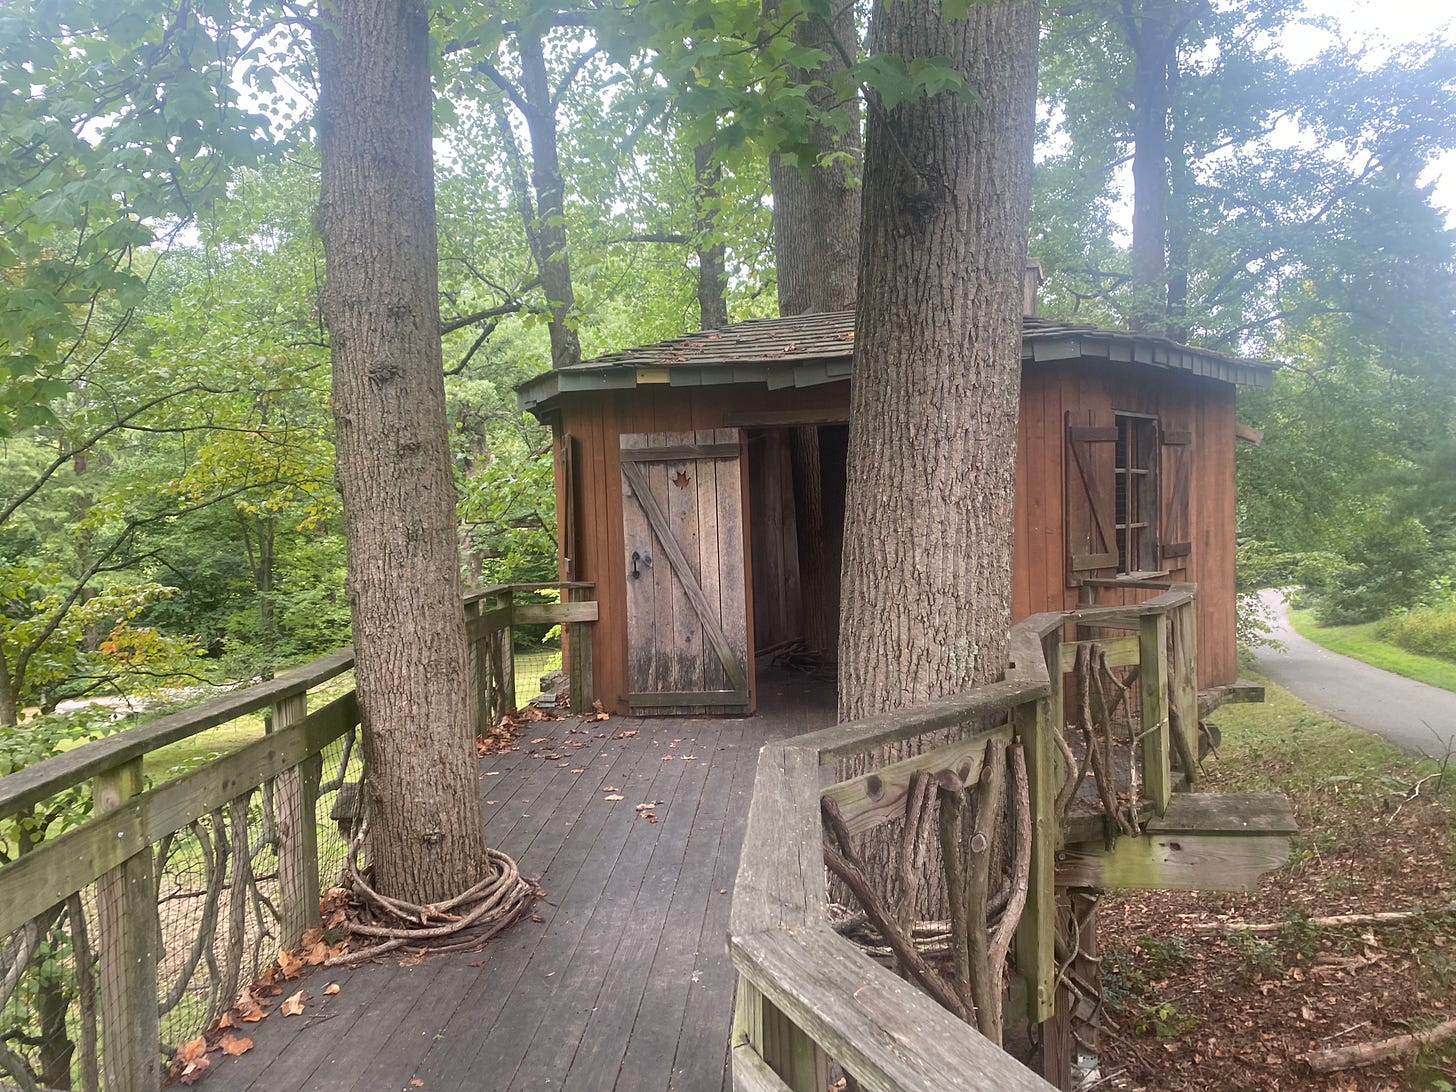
(785, 418)
(1036, 932)
(1174, 862)
(1153, 700)
(554, 613)
(1248, 434)
(126, 942)
(874, 798)
(1120, 651)
(1237, 693)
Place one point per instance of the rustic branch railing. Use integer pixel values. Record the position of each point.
(136, 928)
(806, 994)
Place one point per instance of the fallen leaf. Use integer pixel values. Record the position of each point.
(688, 758)
(648, 805)
(668, 758)
(579, 770)
(541, 739)
(625, 735)
(331, 989)
(613, 796)
(234, 1045)
(294, 1005)
(289, 964)
(610, 788)
(417, 1083)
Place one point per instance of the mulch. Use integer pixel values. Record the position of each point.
(1192, 1011)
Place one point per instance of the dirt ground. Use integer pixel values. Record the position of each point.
(1190, 1010)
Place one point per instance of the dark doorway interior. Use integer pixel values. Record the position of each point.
(796, 517)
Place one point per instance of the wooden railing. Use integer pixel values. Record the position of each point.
(142, 922)
(807, 997)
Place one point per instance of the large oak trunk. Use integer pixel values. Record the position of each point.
(377, 217)
(947, 192)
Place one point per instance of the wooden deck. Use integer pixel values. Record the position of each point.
(623, 984)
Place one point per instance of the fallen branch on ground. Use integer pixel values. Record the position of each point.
(1363, 1054)
(1334, 921)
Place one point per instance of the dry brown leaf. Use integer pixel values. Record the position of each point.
(289, 964)
(579, 770)
(233, 1045)
(294, 1005)
(613, 796)
(625, 735)
(191, 1061)
(417, 1083)
(331, 989)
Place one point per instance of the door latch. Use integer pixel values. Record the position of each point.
(645, 561)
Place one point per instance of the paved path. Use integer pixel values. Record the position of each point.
(1412, 715)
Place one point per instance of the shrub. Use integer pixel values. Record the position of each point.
(1427, 630)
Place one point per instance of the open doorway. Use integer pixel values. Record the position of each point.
(796, 497)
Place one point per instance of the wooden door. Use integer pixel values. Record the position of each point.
(687, 606)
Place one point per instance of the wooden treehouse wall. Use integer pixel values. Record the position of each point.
(591, 426)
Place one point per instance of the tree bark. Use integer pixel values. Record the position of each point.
(1150, 47)
(712, 254)
(816, 214)
(947, 196)
(377, 219)
(553, 261)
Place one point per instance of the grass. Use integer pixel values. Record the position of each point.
(1361, 643)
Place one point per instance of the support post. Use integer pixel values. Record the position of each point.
(480, 689)
(296, 793)
(579, 651)
(761, 1029)
(1153, 684)
(1036, 932)
(127, 930)
(506, 656)
(1184, 680)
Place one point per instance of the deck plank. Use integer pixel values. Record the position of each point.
(623, 984)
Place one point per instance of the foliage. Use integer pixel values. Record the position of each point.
(1362, 642)
(1391, 566)
(1429, 630)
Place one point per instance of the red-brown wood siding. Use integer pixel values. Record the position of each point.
(1090, 392)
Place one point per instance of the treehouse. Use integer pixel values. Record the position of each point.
(700, 488)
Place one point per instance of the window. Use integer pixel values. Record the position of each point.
(1136, 483)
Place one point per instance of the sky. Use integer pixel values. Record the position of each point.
(1376, 23)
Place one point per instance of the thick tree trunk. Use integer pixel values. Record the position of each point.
(947, 196)
(377, 218)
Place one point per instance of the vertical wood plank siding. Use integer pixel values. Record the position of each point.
(1089, 392)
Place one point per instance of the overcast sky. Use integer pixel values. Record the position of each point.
(1373, 23)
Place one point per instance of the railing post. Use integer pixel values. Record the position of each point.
(579, 650)
(506, 656)
(759, 1026)
(1036, 933)
(1153, 687)
(127, 930)
(479, 665)
(296, 793)
(1184, 680)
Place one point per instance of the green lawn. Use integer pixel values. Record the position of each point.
(1360, 643)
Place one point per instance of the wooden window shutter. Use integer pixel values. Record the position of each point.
(1176, 535)
(1091, 500)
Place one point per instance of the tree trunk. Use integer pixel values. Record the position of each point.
(816, 214)
(712, 254)
(1152, 37)
(377, 219)
(553, 260)
(947, 197)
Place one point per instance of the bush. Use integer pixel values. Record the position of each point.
(1392, 568)
(1430, 631)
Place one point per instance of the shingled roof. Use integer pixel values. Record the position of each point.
(807, 350)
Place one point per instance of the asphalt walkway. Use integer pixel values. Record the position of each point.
(1414, 716)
